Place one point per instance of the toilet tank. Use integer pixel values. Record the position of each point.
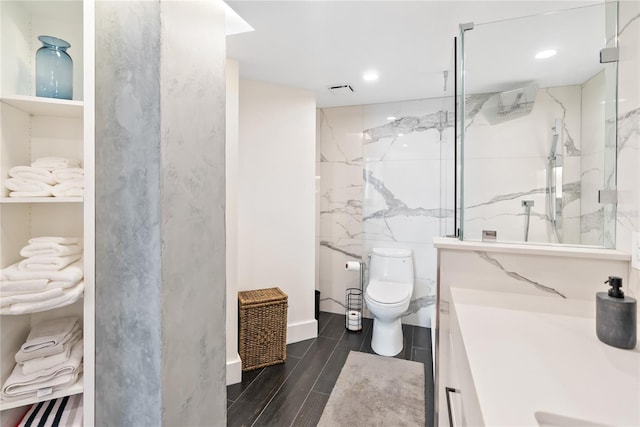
(391, 265)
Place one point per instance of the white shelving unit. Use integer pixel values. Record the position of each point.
(35, 127)
(41, 200)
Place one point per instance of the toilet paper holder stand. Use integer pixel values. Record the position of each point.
(354, 304)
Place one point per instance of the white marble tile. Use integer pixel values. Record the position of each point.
(400, 201)
(490, 180)
(591, 226)
(532, 275)
(593, 114)
(629, 64)
(340, 210)
(406, 146)
(341, 134)
(334, 279)
(402, 187)
(628, 159)
(508, 219)
(409, 130)
(628, 209)
(379, 114)
(527, 136)
(571, 200)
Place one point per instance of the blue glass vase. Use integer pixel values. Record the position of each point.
(54, 69)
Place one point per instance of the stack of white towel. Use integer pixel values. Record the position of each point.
(50, 360)
(46, 177)
(49, 277)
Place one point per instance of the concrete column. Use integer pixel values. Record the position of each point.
(160, 200)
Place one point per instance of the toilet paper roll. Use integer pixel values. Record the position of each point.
(354, 320)
(352, 266)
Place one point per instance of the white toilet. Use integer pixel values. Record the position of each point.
(387, 296)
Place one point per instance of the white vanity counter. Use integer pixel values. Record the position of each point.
(536, 361)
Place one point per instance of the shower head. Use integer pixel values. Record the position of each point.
(556, 129)
(516, 102)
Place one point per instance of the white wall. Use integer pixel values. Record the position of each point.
(234, 364)
(276, 197)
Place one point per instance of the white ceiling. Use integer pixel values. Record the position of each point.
(316, 44)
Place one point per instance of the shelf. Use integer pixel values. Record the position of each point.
(76, 388)
(41, 200)
(38, 106)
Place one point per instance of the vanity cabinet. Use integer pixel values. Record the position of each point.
(516, 337)
(34, 127)
(457, 400)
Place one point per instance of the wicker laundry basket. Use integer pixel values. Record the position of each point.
(262, 328)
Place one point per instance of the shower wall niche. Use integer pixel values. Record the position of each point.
(539, 135)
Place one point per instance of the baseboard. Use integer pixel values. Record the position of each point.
(302, 331)
(234, 370)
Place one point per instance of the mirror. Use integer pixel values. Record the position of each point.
(538, 135)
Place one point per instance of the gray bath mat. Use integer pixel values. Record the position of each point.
(376, 391)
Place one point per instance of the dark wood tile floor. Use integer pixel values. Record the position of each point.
(295, 393)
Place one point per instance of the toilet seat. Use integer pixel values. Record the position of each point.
(388, 294)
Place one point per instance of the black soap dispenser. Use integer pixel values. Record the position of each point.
(616, 316)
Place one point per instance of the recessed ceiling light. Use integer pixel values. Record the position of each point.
(401, 134)
(545, 54)
(391, 118)
(405, 145)
(370, 76)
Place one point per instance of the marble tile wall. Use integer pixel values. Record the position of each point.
(592, 161)
(540, 275)
(506, 162)
(382, 184)
(588, 165)
(628, 179)
(341, 232)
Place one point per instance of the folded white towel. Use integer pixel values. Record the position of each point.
(71, 192)
(48, 248)
(68, 174)
(49, 333)
(29, 185)
(68, 189)
(47, 263)
(71, 273)
(41, 363)
(69, 296)
(53, 163)
(22, 356)
(19, 384)
(57, 239)
(20, 194)
(62, 285)
(50, 285)
(13, 298)
(22, 286)
(33, 173)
